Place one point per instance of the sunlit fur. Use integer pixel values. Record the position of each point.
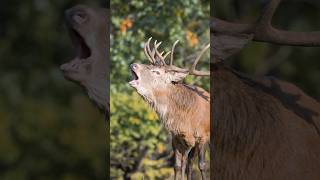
(183, 110)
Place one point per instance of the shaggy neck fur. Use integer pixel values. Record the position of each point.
(97, 85)
(98, 92)
(172, 105)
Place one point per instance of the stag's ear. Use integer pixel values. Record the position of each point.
(177, 76)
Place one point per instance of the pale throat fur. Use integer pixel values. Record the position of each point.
(174, 105)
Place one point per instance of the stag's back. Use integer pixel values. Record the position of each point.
(263, 129)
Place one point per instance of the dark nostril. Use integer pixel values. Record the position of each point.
(63, 67)
(134, 66)
(79, 17)
(75, 15)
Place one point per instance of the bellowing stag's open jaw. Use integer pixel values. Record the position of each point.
(82, 48)
(135, 76)
(83, 51)
(75, 19)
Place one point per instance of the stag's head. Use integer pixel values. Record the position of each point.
(158, 74)
(88, 28)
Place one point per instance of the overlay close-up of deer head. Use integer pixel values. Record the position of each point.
(262, 128)
(88, 30)
(184, 110)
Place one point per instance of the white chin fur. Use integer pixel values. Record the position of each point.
(134, 83)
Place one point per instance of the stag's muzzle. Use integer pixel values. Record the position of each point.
(135, 77)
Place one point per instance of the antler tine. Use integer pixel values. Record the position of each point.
(157, 45)
(164, 57)
(263, 30)
(193, 70)
(268, 12)
(151, 56)
(159, 54)
(172, 51)
(153, 53)
(150, 53)
(146, 51)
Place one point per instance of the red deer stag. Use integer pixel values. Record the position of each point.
(262, 128)
(184, 110)
(89, 33)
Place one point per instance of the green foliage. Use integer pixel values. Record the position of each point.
(134, 126)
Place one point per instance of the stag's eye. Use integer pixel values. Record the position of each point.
(157, 72)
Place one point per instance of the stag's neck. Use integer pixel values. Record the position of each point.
(173, 103)
(242, 111)
(98, 92)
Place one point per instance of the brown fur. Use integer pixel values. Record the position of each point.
(187, 118)
(187, 113)
(184, 111)
(262, 129)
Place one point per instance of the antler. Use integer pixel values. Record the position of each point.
(192, 70)
(263, 30)
(193, 67)
(154, 56)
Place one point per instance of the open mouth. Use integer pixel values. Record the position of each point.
(134, 81)
(134, 75)
(83, 51)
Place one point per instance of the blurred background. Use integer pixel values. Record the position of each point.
(140, 148)
(48, 127)
(50, 130)
(298, 65)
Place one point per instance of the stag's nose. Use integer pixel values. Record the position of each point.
(134, 66)
(64, 67)
(76, 15)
